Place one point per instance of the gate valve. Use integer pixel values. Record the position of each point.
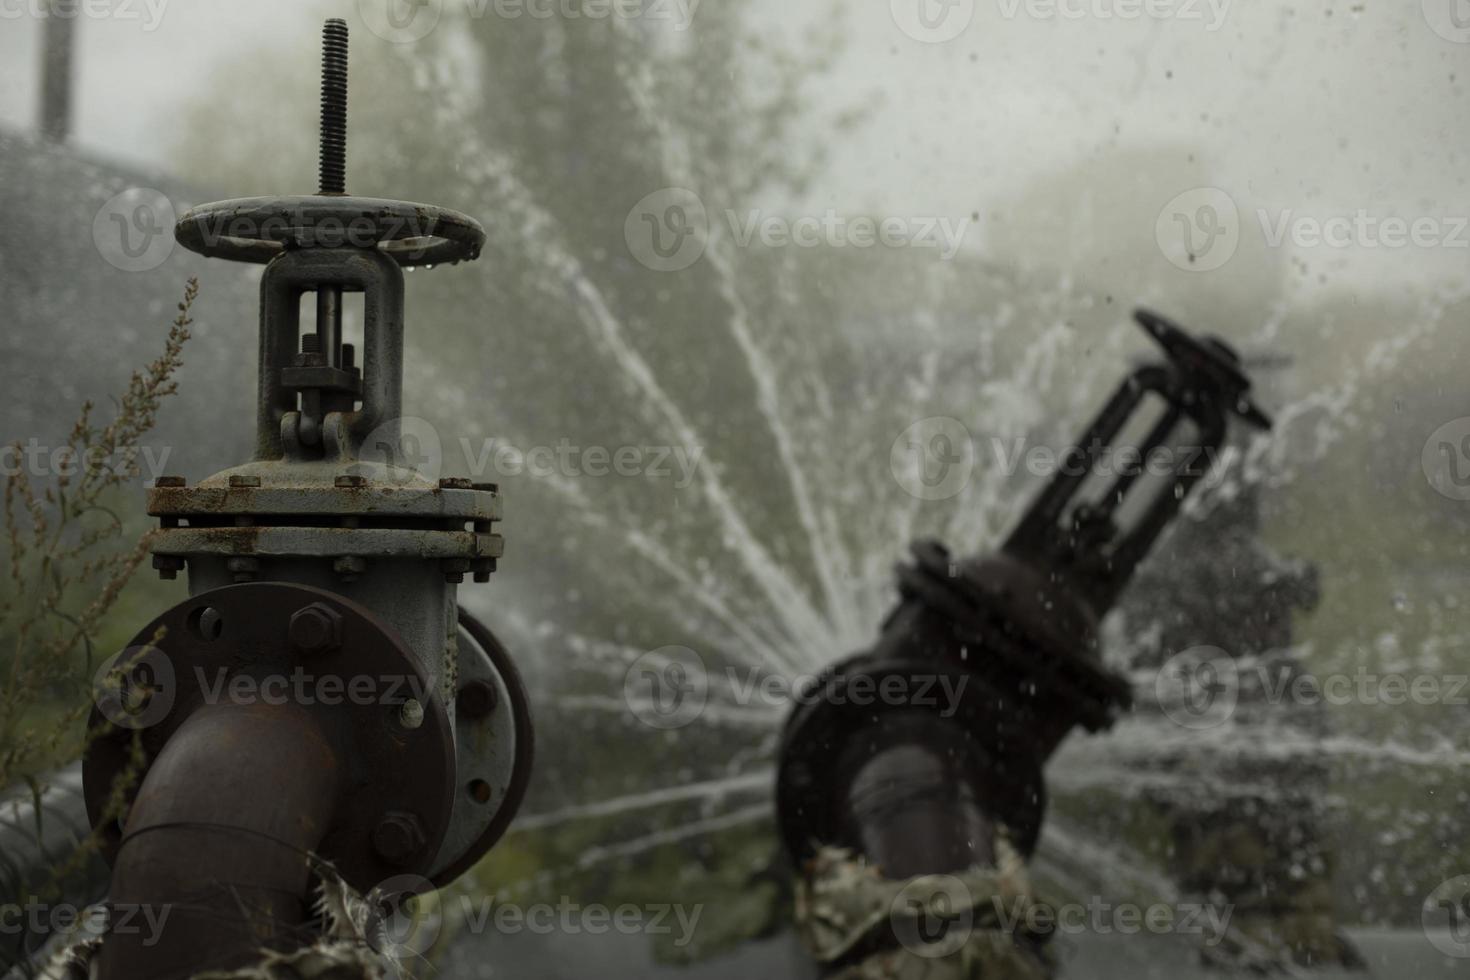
(916, 791)
(327, 567)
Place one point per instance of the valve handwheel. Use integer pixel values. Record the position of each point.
(1208, 358)
(257, 229)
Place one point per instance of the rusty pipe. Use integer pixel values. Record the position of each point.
(217, 842)
(911, 803)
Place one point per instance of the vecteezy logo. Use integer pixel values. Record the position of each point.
(1450, 19)
(1199, 229)
(1446, 917)
(667, 230)
(400, 21)
(134, 230)
(667, 688)
(1446, 459)
(404, 917)
(933, 916)
(932, 21)
(1198, 688)
(401, 451)
(933, 458)
(135, 689)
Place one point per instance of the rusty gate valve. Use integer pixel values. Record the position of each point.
(331, 553)
(1209, 365)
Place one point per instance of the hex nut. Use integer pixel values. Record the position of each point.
(168, 566)
(398, 837)
(316, 628)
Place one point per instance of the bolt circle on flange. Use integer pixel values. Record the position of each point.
(495, 753)
(414, 770)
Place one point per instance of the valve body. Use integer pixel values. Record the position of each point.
(915, 787)
(302, 705)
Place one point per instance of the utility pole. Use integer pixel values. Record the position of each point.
(58, 32)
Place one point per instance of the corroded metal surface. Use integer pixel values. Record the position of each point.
(495, 746)
(327, 542)
(199, 842)
(328, 556)
(239, 646)
(296, 498)
(351, 943)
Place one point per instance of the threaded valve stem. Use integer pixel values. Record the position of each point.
(333, 159)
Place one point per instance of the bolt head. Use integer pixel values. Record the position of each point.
(168, 566)
(316, 628)
(398, 837)
(476, 699)
(411, 714)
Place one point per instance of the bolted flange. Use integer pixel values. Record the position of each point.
(240, 629)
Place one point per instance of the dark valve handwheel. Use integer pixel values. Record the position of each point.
(257, 229)
(1208, 359)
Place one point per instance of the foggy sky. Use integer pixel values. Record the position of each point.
(1314, 109)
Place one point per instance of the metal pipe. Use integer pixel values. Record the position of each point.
(216, 846)
(40, 832)
(914, 806)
